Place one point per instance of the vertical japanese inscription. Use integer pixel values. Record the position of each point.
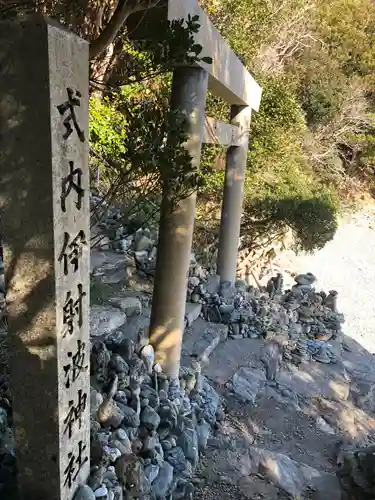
(76, 364)
(73, 181)
(67, 110)
(74, 348)
(77, 459)
(72, 309)
(72, 251)
(75, 413)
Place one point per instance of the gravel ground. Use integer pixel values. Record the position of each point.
(346, 264)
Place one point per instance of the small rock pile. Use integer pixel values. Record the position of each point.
(306, 318)
(139, 246)
(147, 430)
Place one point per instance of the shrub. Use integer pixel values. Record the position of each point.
(313, 221)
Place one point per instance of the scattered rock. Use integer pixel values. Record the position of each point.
(163, 482)
(104, 320)
(293, 477)
(211, 403)
(177, 459)
(109, 414)
(192, 312)
(84, 493)
(356, 472)
(189, 444)
(101, 493)
(131, 306)
(203, 432)
(247, 383)
(152, 472)
(148, 356)
(324, 426)
(271, 357)
(130, 417)
(149, 418)
(96, 400)
(130, 473)
(213, 284)
(118, 364)
(143, 243)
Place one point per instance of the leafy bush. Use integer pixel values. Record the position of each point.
(313, 221)
(321, 102)
(108, 129)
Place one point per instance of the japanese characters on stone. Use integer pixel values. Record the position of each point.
(67, 110)
(77, 458)
(74, 349)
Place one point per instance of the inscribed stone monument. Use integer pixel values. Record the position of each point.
(44, 203)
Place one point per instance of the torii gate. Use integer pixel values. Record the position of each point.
(228, 78)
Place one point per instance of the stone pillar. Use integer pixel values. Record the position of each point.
(189, 90)
(44, 207)
(233, 197)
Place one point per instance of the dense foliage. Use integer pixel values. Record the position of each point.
(313, 139)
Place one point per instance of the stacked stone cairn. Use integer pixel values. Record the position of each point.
(137, 244)
(307, 319)
(147, 431)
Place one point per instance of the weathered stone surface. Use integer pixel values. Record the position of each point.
(45, 225)
(211, 403)
(118, 364)
(152, 472)
(105, 319)
(203, 433)
(84, 493)
(305, 279)
(131, 418)
(149, 418)
(131, 306)
(176, 457)
(202, 338)
(189, 443)
(295, 478)
(241, 461)
(271, 358)
(148, 356)
(130, 472)
(109, 414)
(213, 284)
(96, 399)
(117, 275)
(101, 493)
(143, 243)
(247, 383)
(164, 480)
(192, 312)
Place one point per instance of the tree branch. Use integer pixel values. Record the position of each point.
(122, 12)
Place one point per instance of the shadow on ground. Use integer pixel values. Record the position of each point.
(309, 414)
